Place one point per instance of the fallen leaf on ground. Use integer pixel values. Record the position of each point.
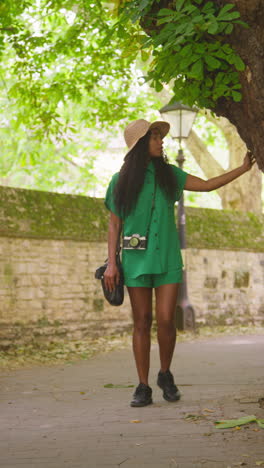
(228, 423)
(82, 393)
(209, 410)
(110, 385)
(194, 417)
(260, 423)
(135, 421)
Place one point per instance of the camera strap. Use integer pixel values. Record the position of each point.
(152, 206)
(140, 243)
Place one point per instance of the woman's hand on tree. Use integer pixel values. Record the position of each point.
(249, 160)
(111, 277)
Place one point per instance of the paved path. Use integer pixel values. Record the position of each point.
(63, 417)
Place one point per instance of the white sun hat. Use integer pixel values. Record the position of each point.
(138, 128)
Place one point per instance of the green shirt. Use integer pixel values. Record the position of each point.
(163, 250)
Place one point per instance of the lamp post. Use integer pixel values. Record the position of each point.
(181, 119)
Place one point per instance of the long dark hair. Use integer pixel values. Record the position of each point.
(132, 176)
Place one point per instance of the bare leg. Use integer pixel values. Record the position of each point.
(141, 302)
(166, 297)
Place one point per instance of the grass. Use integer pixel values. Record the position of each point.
(67, 352)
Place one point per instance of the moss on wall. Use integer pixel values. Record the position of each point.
(37, 214)
(32, 213)
(223, 229)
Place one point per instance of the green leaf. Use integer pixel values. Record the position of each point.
(219, 91)
(209, 82)
(165, 12)
(261, 424)
(233, 15)
(186, 50)
(228, 423)
(179, 4)
(239, 64)
(187, 61)
(189, 9)
(158, 86)
(225, 9)
(144, 55)
(143, 4)
(200, 48)
(207, 7)
(213, 28)
(197, 70)
(242, 23)
(236, 96)
(229, 28)
(198, 19)
(110, 385)
(212, 62)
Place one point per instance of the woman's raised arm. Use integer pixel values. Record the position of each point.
(195, 184)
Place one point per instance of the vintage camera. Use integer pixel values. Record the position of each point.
(135, 242)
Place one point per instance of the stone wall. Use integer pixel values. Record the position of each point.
(51, 244)
(48, 291)
(226, 287)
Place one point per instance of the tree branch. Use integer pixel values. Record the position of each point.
(203, 157)
(68, 160)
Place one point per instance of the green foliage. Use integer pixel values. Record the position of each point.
(188, 45)
(68, 73)
(56, 56)
(64, 82)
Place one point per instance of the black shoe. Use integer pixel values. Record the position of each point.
(166, 383)
(142, 396)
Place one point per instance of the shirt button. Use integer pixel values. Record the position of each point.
(156, 234)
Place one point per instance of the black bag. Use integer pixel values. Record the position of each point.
(116, 297)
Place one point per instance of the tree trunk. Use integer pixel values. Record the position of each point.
(248, 115)
(243, 194)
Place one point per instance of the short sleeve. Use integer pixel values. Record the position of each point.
(181, 180)
(109, 197)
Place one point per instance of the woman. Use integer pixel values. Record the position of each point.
(141, 200)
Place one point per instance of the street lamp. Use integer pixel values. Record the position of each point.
(181, 119)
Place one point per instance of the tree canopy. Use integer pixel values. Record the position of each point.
(212, 54)
(68, 70)
(61, 84)
(186, 49)
(52, 53)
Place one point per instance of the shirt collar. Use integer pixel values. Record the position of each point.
(150, 167)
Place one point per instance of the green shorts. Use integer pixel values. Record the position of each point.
(155, 280)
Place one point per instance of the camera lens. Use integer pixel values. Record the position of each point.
(134, 242)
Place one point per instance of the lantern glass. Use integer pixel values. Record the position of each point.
(181, 119)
